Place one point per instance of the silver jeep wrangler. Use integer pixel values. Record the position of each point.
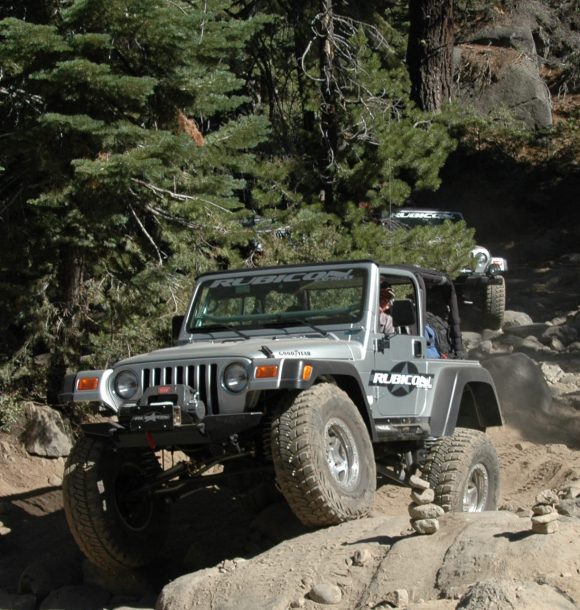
(282, 375)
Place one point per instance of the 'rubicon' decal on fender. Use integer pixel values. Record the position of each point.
(402, 379)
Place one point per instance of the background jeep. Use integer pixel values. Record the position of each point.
(481, 283)
(281, 375)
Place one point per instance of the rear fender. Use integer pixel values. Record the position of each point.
(464, 396)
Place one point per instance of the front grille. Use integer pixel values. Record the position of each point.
(201, 377)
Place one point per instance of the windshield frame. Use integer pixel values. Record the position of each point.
(266, 289)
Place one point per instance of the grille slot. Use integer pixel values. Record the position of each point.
(201, 377)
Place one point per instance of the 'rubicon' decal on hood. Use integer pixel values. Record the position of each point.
(402, 379)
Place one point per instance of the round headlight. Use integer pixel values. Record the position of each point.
(235, 377)
(126, 384)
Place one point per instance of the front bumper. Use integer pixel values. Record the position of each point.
(213, 429)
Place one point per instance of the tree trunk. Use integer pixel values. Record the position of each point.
(328, 119)
(68, 334)
(430, 52)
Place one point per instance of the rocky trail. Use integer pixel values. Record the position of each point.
(220, 556)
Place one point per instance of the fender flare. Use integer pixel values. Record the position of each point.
(452, 384)
(347, 378)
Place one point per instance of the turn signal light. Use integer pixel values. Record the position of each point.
(307, 372)
(87, 384)
(267, 371)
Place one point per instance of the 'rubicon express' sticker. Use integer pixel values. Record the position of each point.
(402, 379)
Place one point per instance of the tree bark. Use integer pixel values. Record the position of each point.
(328, 104)
(70, 286)
(430, 52)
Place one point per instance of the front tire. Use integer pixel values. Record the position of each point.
(463, 470)
(323, 457)
(115, 525)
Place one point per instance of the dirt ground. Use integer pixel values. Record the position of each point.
(210, 526)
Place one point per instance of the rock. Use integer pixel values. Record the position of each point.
(545, 528)
(515, 35)
(325, 593)
(571, 491)
(545, 518)
(425, 526)
(46, 433)
(4, 531)
(399, 598)
(362, 557)
(569, 508)
(425, 511)
(474, 547)
(516, 318)
(547, 497)
(543, 509)
(490, 78)
(425, 497)
(128, 582)
(79, 597)
(526, 330)
(552, 372)
(513, 595)
(471, 340)
(11, 601)
(49, 573)
(418, 483)
(563, 334)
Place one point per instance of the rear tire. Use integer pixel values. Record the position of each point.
(463, 470)
(323, 457)
(493, 307)
(114, 525)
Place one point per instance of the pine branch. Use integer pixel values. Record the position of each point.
(160, 255)
(178, 196)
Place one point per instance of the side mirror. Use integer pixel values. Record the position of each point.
(176, 324)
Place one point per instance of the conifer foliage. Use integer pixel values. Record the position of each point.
(139, 137)
(125, 157)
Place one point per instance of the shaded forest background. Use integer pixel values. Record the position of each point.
(145, 141)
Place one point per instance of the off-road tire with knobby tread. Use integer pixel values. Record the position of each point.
(493, 305)
(452, 464)
(318, 425)
(94, 479)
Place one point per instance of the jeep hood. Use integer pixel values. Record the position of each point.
(254, 348)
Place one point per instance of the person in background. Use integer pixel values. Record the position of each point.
(386, 296)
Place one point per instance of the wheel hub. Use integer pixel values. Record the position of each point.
(476, 490)
(342, 454)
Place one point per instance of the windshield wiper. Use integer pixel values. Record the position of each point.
(281, 322)
(216, 327)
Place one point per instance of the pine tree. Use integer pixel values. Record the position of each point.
(125, 152)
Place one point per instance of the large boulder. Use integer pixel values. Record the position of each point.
(471, 555)
(46, 434)
(499, 71)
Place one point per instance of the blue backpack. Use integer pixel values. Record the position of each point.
(432, 347)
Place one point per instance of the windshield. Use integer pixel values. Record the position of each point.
(277, 299)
